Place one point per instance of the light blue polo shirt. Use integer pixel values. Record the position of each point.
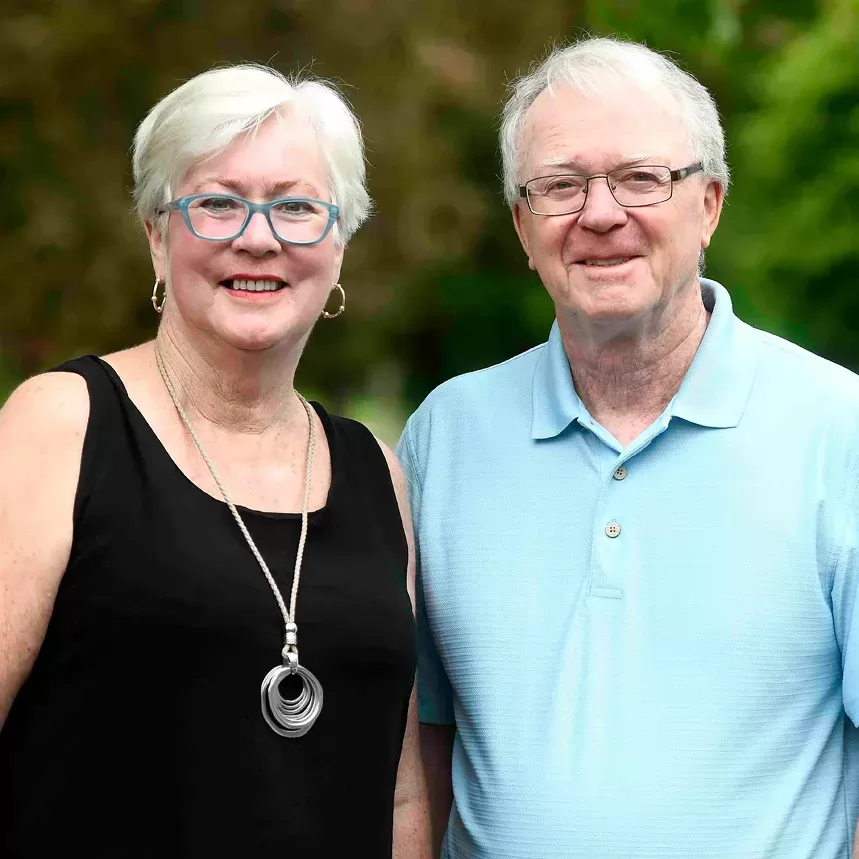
(647, 651)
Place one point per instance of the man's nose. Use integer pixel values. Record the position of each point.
(601, 211)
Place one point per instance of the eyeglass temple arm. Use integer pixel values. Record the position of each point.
(172, 206)
(677, 175)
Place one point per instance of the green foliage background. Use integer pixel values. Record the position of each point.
(437, 284)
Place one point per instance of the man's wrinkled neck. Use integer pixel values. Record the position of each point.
(626, 372)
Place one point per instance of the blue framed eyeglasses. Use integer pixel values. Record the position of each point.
(224, 217)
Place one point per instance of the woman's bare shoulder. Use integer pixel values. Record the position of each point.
(42, 429)
(401, 491)
(46, 406)
(132, 363)
(398, 478)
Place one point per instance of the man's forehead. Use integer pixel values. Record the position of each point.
(567, 128)
(612, 92)
(579, 161)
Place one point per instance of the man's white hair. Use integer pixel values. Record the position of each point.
(587, 66)
(203, 116)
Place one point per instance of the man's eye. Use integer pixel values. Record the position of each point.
(563, 185)
(638, 178)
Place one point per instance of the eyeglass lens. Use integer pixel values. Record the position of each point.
(295, 220)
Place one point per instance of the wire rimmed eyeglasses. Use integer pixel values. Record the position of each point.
(631, 187)
(224, 217)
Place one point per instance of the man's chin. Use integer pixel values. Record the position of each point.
(613, 303)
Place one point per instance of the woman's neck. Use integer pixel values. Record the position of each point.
(240, 392)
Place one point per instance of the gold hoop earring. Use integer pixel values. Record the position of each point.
(159, 308)
(326, 314)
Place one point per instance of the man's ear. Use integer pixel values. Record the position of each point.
(522, 232)
(714, 197)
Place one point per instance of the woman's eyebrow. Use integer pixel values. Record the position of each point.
(272, 190)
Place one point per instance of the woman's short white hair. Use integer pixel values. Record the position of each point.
(206, 114)
(592, 62)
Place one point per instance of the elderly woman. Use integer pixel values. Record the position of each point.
(206, 631)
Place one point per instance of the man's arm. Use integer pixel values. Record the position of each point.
(436, 743)
(845, 602)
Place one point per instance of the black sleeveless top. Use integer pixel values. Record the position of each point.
(139, 731)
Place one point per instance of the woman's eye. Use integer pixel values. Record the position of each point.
(295, 209)
(217, 204)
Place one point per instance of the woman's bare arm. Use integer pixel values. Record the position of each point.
(411, 804)
(42, 427)
(436, 742)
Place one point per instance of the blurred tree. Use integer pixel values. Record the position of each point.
(791, 238)
(437, 283)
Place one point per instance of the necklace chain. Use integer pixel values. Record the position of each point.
(288, 614)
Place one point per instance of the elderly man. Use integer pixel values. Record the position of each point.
(638, 542)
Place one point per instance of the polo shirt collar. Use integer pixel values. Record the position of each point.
(553, 395)
(717, 385)
(714, 391)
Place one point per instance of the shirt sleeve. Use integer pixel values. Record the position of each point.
(845, 608)
(435, 695)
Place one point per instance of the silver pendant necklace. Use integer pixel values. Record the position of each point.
(289, 717)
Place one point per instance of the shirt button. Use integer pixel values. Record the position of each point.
(612, 530)
(620, 472)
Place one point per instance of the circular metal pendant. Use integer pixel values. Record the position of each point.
(291, 717)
